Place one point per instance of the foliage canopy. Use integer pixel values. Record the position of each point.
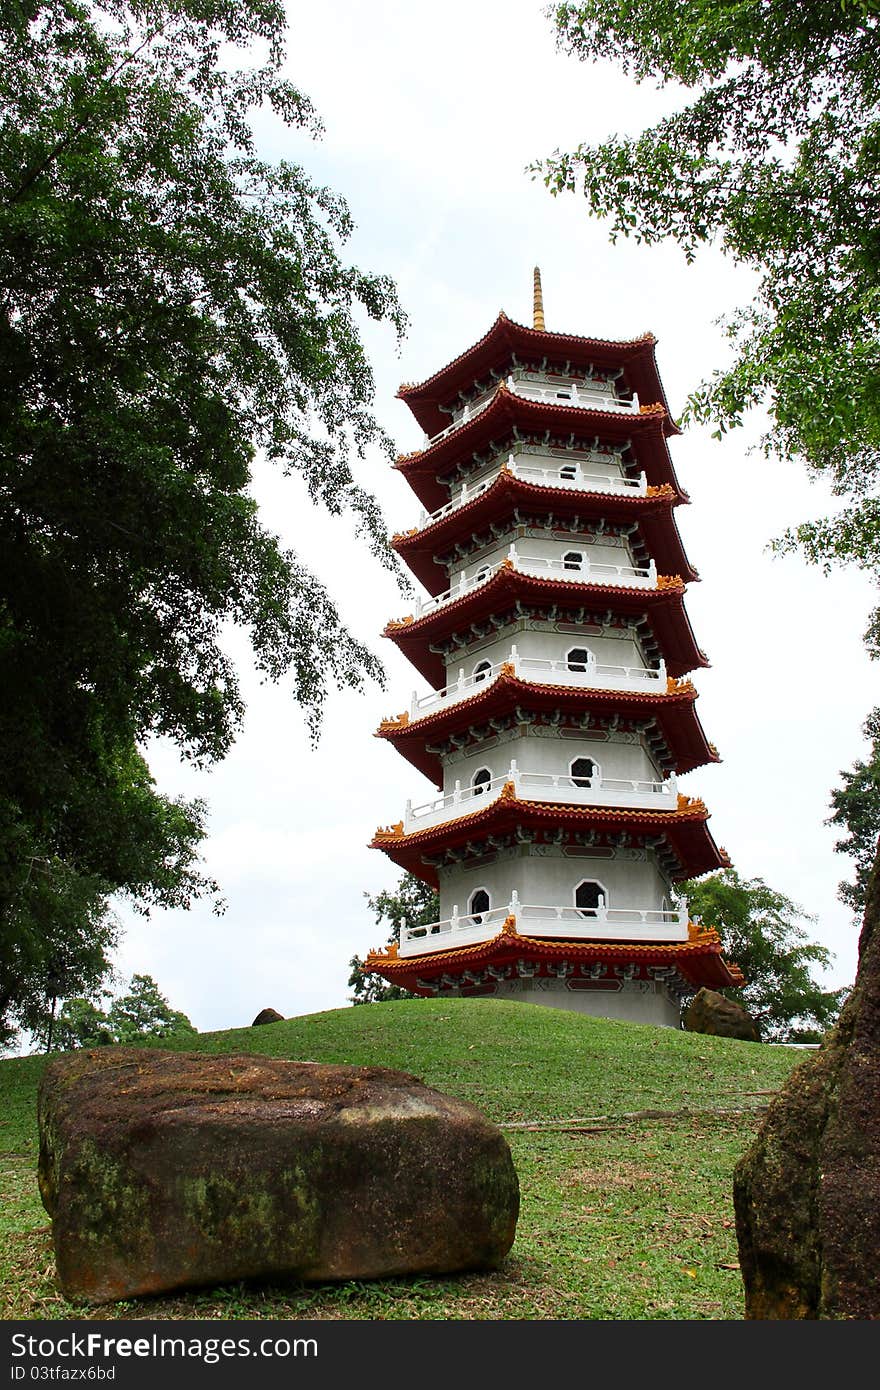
(776, 157)
(171, 304)
(57, 944)
(761, 932)
(412, 904)
(856, 811)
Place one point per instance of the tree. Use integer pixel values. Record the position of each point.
(761, 932)
(857, 811)
(776, 158)
(145, 1013)
(412, 904)
(59, 946)
(171, 305)
(80, 1023)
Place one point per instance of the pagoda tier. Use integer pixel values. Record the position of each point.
(474, 712)
(678, 838)
(508, 595)
(590, 966)
(510, 419)
(511, 499)
(554, 636)
(509, 346)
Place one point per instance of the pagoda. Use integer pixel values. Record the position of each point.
(556, 644)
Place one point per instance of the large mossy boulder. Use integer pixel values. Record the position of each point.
(167, 1169)
(807, 1192)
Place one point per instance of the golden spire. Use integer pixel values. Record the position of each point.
(539, 301)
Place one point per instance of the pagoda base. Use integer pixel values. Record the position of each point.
(632, 1001)
(640, 982)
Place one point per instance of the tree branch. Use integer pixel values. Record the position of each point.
(80, 125)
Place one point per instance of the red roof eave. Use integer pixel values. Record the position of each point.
(636, 356)
(663, 605)
(645, 431)
(653, 512)
(699, 960)
(674, 712)
(685, 829)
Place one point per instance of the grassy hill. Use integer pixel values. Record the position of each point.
(624, 1137)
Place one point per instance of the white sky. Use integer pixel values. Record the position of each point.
(432, 114)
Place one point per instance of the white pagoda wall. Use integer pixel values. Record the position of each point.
(601, 467)
(534, 753)
(605, 550)
(545, 645)
(635, 1002)
(550, 879)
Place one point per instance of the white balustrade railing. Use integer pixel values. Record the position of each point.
(632, 793)
(474, 408)
(601, 674)
(582, 571)
(596, 923)
(586, 570)
(487, 922)
(464, 494)
(589, 675)
(576, 476)
(463, 586)
(579, 394)
(573, 476)
(613, 916)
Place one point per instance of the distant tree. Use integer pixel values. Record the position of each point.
(171, 304)
(144, 1012)
(761, 932)
(412, 904)
(80, 1023)
(857, 811)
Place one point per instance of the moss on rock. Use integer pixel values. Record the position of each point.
(807, 1192)
(167, 1169)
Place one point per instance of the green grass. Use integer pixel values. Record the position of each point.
(623, 1215)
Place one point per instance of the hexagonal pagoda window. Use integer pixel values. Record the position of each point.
(479, 903)
(588, 897)
(583, 771)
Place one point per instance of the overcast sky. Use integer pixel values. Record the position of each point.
(432, 114)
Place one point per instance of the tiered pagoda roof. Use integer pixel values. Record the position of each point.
(531, 404)
(672, 713)
(510, 591)
(683, 833)
(508, 345)
(510, 498)
(698, 961)
(511, 418)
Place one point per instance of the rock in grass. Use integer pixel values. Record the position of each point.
(169, 1169)
(267, 1016)
(807, 1192)
(710, 1012)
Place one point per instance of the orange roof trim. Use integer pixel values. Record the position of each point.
(502, 392)
(688, 809)
(702, 948)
